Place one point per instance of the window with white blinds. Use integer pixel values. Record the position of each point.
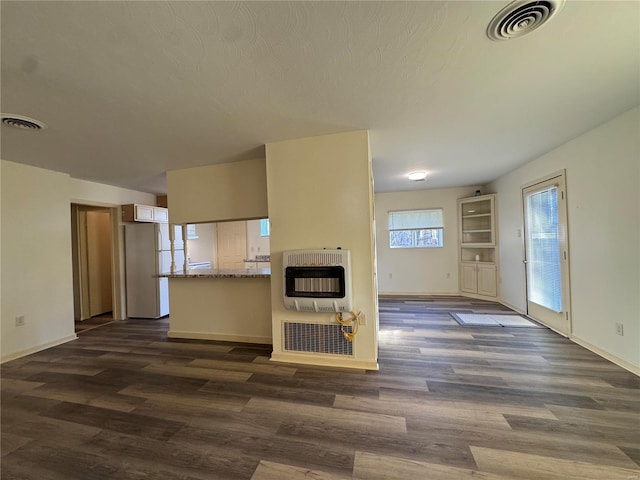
(416, 228)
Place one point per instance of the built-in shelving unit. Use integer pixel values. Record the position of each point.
(478, 246)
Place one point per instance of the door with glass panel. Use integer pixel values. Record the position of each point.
(546, 253)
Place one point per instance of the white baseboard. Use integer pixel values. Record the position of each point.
(323, 361)
(419, 294)
(604, 354)
(37, 348)
(218, 336)
(512, 307)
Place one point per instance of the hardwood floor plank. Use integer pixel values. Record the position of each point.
(378, 442)
(357, 420)
(278, 471)
(221, 401)
(526, 466)
(244, 367)
(383, 467)
(595, 432)
(508, 395)
(102, 418)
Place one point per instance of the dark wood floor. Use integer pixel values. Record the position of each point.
(449, 402)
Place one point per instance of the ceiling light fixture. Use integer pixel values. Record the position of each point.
(22, 122)
(521, 17)
(417, 176)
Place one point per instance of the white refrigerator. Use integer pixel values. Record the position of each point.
(148, 253)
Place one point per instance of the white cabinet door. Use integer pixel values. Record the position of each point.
(468, 278)
(143, 213)
(487, 280)
(160, 214)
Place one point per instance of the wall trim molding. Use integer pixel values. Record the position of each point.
(419, 294)
(37, 348)
(218, 336)
(324, 361)
(606, 355)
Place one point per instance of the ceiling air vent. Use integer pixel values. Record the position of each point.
(24, 123)
(522, 17)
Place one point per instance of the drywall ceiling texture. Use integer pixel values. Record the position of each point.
(133, 89)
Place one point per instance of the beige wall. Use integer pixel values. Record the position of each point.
(36, 252)
(229, 191)
(36, 258)
(419, 270)
(231, 309)
(203, 249)
(603, 199)
(320, 195)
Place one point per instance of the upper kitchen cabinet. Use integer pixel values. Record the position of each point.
(135, 212)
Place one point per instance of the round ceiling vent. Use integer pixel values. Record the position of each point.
(522, 17)
(24, 123)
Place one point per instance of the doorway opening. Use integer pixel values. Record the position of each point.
(92, 257)
(546, 255)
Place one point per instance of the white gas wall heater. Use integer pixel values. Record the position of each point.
(317, 280)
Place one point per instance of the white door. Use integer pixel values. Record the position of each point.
(232, 244)
(546, 253)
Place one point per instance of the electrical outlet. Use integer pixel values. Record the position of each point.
(620, 329)
(19, 320)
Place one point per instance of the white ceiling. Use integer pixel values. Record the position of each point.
(130, 90)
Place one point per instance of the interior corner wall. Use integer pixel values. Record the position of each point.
(214, 193)
(603, 200)
(320, 196)
(36, 268)
(419, 271)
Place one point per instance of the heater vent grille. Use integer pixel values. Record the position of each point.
(316, 338)
(314, 259)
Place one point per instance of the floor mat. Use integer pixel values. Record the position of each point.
(493, 320)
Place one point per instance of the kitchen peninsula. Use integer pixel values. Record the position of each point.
(221, 304)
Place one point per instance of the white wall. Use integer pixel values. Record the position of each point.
(603, 198)
(320, 195)
(36, 252)
(419, 270)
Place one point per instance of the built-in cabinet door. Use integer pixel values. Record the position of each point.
(487, 280)
(468, 278)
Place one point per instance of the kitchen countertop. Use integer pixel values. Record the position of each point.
(219, 273)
